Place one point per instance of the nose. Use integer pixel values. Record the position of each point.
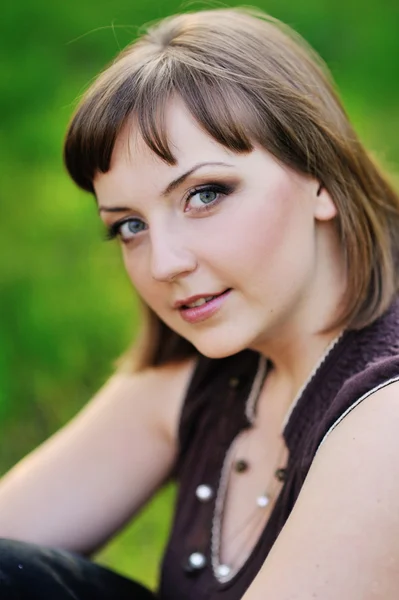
(171, 256)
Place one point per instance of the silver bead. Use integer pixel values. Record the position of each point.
(262, 501)
(223, 571)
(204, 492)
(197, 560)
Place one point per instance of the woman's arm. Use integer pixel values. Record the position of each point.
(87, 480)
(341, 540)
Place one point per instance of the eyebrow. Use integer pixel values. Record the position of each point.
(170, 187)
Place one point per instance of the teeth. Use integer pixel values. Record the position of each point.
(200, 302)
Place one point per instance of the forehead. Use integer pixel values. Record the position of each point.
(136, 172)
(188, 142)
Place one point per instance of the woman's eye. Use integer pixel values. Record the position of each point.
(201, 198)
(198, 200)
(125, 230)
(129, 229)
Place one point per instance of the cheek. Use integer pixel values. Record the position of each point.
(137, 269)
(260, 233)
(273, 237)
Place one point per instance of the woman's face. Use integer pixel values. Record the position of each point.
(238, 230)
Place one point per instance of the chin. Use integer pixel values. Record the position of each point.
(218, 346)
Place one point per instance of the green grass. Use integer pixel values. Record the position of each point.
(137, 550)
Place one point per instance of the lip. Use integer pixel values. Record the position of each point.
(180, 303)
(205, 311)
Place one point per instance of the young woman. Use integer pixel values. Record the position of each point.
(263, 242)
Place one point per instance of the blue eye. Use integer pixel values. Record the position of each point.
(131, 228)
(207, 196)
(204, 197)
(126, 230)
(198, 200)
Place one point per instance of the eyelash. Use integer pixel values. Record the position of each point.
(223, 190)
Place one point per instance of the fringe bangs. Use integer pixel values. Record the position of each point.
(141, 100)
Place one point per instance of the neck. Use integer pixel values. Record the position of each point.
(299, 341)
(293, 364)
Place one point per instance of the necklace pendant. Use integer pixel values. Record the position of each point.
(262, 501)
(241, 466)
(281, 474)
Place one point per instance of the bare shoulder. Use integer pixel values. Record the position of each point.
(159, 391)
(341, 539)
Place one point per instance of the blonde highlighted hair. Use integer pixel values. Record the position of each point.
(246, 78)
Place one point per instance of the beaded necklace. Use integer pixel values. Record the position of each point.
(197, 560)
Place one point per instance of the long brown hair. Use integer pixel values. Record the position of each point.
(246, 77)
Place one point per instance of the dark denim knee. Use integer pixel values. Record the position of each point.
(17, 556)
(32, 572)
(14, 556)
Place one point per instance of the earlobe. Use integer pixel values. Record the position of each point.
(325, 208)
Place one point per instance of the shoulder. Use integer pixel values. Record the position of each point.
(164, 389)
(378, 375)
(341, 537)
(152, 396)
(354, 481)
(366, 437)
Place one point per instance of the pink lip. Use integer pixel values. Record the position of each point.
(205, 311)
(180, 303)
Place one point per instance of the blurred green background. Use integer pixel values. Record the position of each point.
(67, 309)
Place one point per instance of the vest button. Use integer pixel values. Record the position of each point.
(195, 562)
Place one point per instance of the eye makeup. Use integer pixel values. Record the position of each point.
(222, 190)
(113, 231)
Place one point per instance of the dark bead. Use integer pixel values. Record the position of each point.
(241, 466)
(281, 474)
(234, 382)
